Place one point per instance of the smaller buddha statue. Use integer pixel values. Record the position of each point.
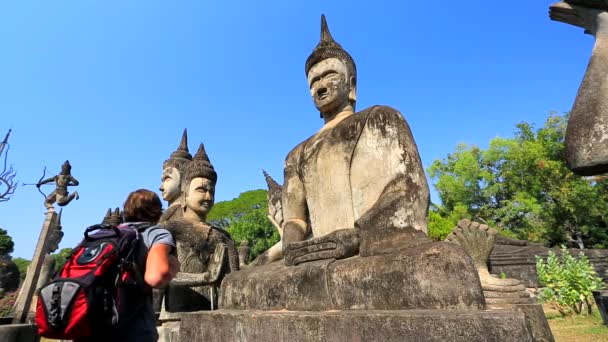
(206, 253)
(113, 218)
(275, 215)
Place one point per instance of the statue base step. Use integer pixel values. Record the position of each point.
(355, 325)
(18, 333)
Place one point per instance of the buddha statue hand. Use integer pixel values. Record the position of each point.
(212, 275)
(339, 244)
(587, 14)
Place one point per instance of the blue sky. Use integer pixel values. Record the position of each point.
(110, 85)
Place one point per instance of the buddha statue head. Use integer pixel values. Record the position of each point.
(199, 186)
(173, 169)
(332, 75)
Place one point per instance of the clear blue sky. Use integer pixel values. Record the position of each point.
(110, 85)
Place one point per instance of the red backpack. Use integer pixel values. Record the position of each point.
(100, 286)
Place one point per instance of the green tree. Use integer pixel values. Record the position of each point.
(22, 265)
(61, 257)
(245, 219)
(522, 186)
(6, 243)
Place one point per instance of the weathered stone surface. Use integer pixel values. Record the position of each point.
(478, 241)
(26, 293)
(416, 277)
(535, 319)
(587, 132)
(18, 333)
(355, 325)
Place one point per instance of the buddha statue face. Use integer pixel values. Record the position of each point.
(170, 187)
(331, 87)
(199, 198)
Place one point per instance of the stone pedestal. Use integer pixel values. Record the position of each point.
(427, 276)
(18, 333)
(535, 319)
(26, 294)
(169, 331)
(354, 325)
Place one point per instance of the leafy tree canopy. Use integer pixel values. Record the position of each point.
(22, 265)
(522, 186)
(245, 219)
(6, 243)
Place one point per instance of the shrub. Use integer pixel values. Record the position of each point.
(569, 282)
(7, 302)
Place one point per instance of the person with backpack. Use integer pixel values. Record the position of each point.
(104, 290)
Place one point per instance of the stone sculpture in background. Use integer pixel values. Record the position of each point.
(500, 293)
(587, 132)
(172, 179)
(275, 215)
(478, 241)
(113, 218)
(61, 195)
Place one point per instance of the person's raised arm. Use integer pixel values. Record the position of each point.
(160, 268)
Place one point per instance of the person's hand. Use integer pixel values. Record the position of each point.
(38, 185)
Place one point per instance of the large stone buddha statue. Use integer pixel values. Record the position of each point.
(354, 203)
(360, 170)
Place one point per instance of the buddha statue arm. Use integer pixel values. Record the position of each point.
(393, 208)
(293, 201)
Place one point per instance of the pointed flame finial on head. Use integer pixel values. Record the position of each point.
(180, 156)
(200, 166)
(329, 48)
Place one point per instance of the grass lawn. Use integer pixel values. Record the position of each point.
(578, 328)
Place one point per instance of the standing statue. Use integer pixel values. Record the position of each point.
(587, 132)
(62, 181)
(206, 253)
(172, 177)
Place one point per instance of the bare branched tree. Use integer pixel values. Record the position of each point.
(7, 175)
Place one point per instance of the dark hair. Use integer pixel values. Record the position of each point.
(142, 206)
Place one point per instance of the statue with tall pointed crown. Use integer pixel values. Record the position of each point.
(357, 264)
(354, 201)
(206, 253)
(172, 179)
